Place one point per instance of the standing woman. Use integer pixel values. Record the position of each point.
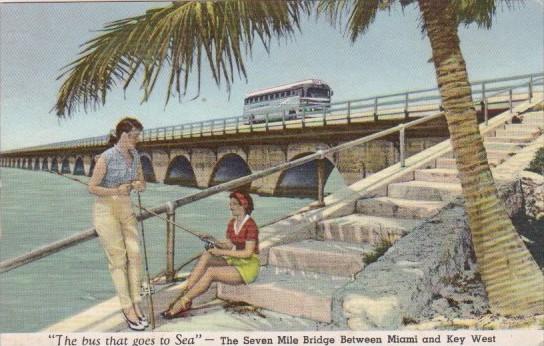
(116, 173)
(233, 261)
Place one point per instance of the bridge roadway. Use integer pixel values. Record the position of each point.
(212, 157)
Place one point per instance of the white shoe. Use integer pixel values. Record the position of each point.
(138, 326)
(143, 321)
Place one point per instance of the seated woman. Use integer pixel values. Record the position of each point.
(233, 261)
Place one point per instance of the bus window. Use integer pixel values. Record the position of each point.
(317, 92)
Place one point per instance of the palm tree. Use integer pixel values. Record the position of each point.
(512, 278)
(185, 33)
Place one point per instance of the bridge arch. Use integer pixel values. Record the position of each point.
(180, 172)
(147, 168)
(37, 164)
(54, 165)
(301, 180)
(65, 166)
(229, 167)
(45, 164)
(79, 168)
(18, 163)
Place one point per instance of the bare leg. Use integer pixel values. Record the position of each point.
(205, 261)
(225, 274)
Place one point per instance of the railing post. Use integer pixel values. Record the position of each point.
(530, 88)
(170, 242)
(251, 118)
(349, 112)
(202, 129)
(402, 145)
(173, 131)
(164, 137)
(510, 100)
(224, 126)
(406, 106)
(191, 130)
(303, 117)
(324, 116)
(320, 166)
(181, 131)
(266, 122)
(283, 119)
(237, 124)
(486, 112)
(376, 109)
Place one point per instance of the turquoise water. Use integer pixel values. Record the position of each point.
(39, 207)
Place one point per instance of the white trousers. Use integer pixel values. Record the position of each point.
(116, 226)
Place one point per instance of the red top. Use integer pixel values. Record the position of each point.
(249, 231)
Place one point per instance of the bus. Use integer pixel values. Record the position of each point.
(286, 101)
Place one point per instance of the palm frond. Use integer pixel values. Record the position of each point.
(183, 36)
(360, 13)
(481, 12)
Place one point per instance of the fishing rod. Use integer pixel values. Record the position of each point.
(149, 289)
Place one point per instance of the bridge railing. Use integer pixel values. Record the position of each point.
(320, 156)
(408, 104)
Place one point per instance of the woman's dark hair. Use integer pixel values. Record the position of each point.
(244, 199)
(125, 125)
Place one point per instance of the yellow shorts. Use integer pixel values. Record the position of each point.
(247, 267)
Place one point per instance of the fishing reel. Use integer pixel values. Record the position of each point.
(146, 289)
(208, 244)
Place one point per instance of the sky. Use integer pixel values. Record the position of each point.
(37, 40)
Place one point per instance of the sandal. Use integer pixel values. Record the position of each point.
(167, 314)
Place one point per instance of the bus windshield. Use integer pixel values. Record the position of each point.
(317, 92)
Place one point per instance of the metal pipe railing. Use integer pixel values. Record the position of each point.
(170, 207)
(10, 264)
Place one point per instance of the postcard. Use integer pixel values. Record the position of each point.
(245, 172)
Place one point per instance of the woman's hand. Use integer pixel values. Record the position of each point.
(124, 189)
(138, 185)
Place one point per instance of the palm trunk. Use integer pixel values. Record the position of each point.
(513, 281)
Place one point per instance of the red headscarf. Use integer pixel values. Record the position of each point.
(244, 199)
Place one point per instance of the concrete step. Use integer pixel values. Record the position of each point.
(441, 175)
(395, 207)
(504, 146)
(448, 155)
(328, 257)
(499, 154)
(446, 163)
(522, 128)
(424, 190)
(521, 132)
(533, 118)
(358, 228)
(295, 295)
(510, 139)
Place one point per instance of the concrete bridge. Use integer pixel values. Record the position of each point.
(204, 154)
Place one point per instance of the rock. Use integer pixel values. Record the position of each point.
(510, 192)
(532, 185)
(400, 287)
(382, 312)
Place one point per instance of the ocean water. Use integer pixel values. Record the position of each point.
(37, 208)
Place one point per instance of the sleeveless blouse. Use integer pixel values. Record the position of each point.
(117, 170)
